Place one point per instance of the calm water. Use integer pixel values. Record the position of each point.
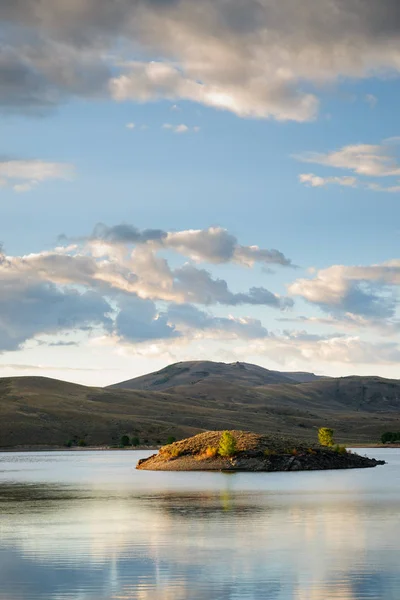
(87, 526)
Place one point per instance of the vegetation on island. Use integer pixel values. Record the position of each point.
(325, 436)
(227, 445)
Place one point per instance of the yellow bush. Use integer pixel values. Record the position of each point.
(170, 451)
(211, 452)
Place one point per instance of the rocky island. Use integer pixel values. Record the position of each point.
(244, 451)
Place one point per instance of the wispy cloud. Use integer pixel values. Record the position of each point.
(371, 100)
(368, 161)
(315, 181)
(24, 175)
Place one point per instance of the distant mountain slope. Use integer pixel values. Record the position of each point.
(191, 372)
(300, 376)
(38, 410)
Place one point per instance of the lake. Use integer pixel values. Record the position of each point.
(85, 525)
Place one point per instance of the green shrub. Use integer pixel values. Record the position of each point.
(325, 436)
(124, 441)
(340, 449)
(68, 444)
(227, 444)
(171, 439)
(82, 443)
(135, 441)
(268, 452)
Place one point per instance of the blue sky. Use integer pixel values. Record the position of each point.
(237, 144)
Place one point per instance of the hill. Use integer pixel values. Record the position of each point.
(39, 410)
(193, 372)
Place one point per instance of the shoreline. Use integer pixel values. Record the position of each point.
(44, 448)
(75, 448)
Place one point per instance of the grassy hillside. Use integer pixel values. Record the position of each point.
(191, 372)
(37, 410)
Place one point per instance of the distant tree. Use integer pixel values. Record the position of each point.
(325, 436)
(171, 439)
(390, 436)
(82, 443)
(227, 444)
(68, 444)
(135, 441)
(124, 441)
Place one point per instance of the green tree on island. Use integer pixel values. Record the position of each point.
(325, 436)
(227, 444)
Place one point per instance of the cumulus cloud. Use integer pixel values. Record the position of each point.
(356, 290)
(116, 280)
(315, 181)
(260, 58)
(23, 175)
(30, 307)
(213, 245)
(190, 318)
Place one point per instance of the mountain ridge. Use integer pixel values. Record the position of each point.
(45, 411)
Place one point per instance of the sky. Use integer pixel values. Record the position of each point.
(190, 181)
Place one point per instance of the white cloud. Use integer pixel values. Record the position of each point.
(182, 128)
(390, 189)
(213, 245)
(350, 291)
(24, 175)
(364, 159)
(316, 181)
(130, 125)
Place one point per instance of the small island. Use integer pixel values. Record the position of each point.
(245, 451)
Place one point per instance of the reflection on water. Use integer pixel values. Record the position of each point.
(87, 526)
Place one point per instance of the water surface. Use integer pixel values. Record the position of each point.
(88, 526)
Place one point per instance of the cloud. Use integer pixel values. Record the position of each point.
(214, 244)
(390, 189)
(364, 159)
(198, 286)
(116, 281)
(191, 318)
(130, 125)
(356, 290)
(29, 307)
(260, 58)
(341, 350)
(138, 321)
(371, 100)
(182, 128)
(316, 181)
(24, 175)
